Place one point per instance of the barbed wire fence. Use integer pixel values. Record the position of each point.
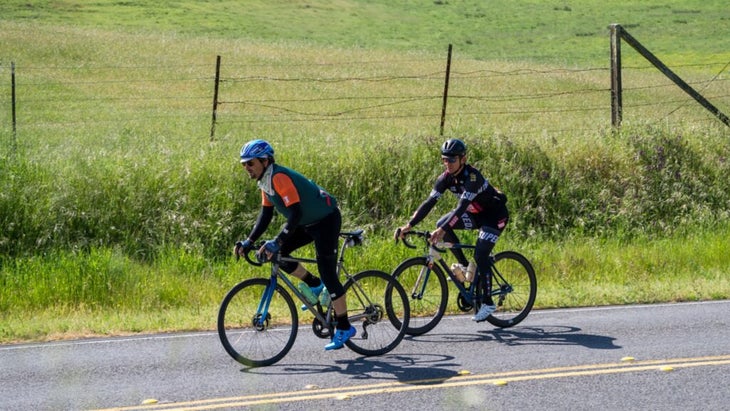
(619, 35)
(407, 95)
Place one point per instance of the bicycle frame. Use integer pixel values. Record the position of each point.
(263, 308)
(468, 293)
(434, 257)
(325, 316)
(513, 284)
(258, 319)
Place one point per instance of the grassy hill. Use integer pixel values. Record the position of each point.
(548, 31)
(117, 211)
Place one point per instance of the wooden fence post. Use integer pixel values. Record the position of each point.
(623, 34)
(446, 91)
(12, 102)
(215, 95)
(616, 98)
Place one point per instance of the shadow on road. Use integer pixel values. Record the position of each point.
(419, 369)
(426, 368)
(546, 335)
(556, 335)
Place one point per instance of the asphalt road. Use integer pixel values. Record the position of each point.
(641, 357)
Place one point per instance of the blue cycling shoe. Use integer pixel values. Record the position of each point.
(339, 338)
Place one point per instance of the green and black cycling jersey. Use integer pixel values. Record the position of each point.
(301, 201)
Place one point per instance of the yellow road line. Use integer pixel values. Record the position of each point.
(435, 383)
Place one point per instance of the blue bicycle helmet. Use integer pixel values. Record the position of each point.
(256, 149)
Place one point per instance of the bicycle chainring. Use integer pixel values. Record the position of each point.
(320, 330)
(464, 305)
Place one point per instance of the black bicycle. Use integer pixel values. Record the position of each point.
(258, 320)
(514, 285)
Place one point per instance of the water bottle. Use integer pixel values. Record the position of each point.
(470, 271)
(325, 298)
(458, 271)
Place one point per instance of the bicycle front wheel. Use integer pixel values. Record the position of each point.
(514, 288)
(428, 292)
(251, 336)
(378, 309)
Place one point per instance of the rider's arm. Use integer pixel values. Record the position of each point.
(295, 215)
(472, 187)
(262, 222)
(422, 211)
(460, 209)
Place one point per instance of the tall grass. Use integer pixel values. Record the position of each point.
(641, 182)
(105, 292)
(109, 226)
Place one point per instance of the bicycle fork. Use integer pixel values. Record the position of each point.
(419, 287)
(262, 317)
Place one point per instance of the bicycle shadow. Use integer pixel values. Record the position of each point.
(552, 335)
(417, 369)
(519, 336)
(405, 368)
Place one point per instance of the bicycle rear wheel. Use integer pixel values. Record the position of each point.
(428, 297)
(514, 286)
(246, 335)
(378, 309)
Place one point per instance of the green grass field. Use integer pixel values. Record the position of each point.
(118, 212)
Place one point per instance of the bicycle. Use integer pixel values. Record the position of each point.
(258, 320)
(514, 285)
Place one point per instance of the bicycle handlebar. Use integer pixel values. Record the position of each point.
(351, 238)
(425, 235)
(248, 257)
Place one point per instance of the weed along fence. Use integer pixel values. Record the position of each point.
(421, 95)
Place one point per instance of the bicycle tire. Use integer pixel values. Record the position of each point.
(251, 344)
(513, 305)
(428, 309)
(378, 309)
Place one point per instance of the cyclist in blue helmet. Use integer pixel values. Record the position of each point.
(256, 149)
(480, 206)
(311, 215)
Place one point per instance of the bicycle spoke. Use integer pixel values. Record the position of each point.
(427, 291)
(514, 289)
(248, 336)
(378, 309)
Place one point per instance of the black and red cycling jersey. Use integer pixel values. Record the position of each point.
(475, 194)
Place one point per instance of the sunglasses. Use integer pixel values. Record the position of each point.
(249, 163)
(450, 160)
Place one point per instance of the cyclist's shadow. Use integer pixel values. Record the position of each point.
(418, 369)
(516, 336)
(552, 335)
(415, 369)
